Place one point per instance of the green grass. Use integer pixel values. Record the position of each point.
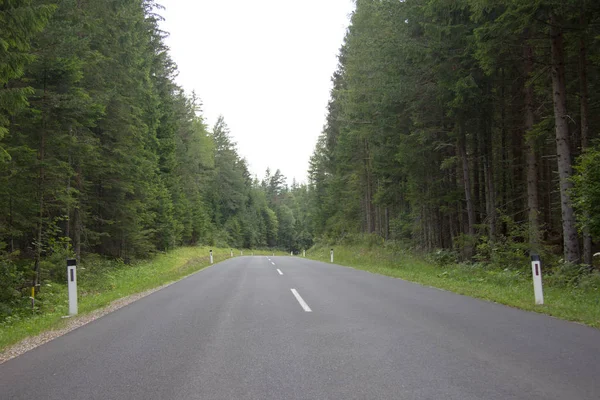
(102, 281)
(513, 288)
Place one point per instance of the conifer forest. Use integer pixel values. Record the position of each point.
(466, 127)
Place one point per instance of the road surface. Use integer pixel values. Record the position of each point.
(237, 330)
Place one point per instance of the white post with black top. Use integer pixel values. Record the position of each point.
(72, 285)
(536, 270)
(211, 257)
(331, 255)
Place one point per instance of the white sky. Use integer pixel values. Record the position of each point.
(266, 66)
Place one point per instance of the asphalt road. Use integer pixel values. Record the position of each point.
(237, 331)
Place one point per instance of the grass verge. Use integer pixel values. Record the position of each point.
(509, 287)
(102, 281)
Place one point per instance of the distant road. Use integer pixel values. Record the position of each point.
(237, 330)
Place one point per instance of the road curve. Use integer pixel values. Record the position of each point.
(289, 328)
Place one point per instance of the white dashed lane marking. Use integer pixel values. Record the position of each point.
(301, 301)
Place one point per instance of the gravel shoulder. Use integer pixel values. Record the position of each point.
(73, 323)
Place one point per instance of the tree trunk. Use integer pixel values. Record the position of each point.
(77, 223)
(40, 222)
(462, 150)
(563, 151)
(504, 151)
(41, 179)
(477, 187)
(488, 174)
(387, 224)
(548, 198)
(68, 195)
(467, 189)
(585, 127)
(490, 198)
(531, 157)
(10, 223)
(369, 209)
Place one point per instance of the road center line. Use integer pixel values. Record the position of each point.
(280, 273)
(301, 301)
(272, 263)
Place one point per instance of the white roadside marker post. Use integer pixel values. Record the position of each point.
(242, 252)
(303, 253)
(536, 270)
(291, 253)
(72, 285)
(231, 252)
(331, 255)
(211, 257)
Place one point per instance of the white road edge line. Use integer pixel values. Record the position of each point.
(272, 263)
(301, 301)
(280, 273)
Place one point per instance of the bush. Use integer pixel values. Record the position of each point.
(503, 253)
(397, 246)
(465, 245)
(587, 189)
(95, 272)
(54, 266)
(567, 274)
(443, 257)
(11, 279)
(590, 281)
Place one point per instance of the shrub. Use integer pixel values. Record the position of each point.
(566, 274)
(11, 279)
(587, 189)
(503, 253)
(590, 281)
(443, 257)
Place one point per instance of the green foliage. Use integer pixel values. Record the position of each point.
(565, 275)
(505, 252)
(443, 257)
(105, 154)
(576, 302)
(11, 280)
(424, 146)
(20, 21)
(590, 282)
(428, 134)
(100, 281)
(572, 276)
(510, 251)
(587, 189)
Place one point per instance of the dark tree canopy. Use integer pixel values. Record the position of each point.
(102, 152)
(455, 124)
(468, 125)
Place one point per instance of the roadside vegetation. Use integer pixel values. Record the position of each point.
(468, 127)
(101, 281)
(104, 158)
(571, 292)
(450, 134)
(467, 133)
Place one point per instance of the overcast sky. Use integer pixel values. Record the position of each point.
(266, 66)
